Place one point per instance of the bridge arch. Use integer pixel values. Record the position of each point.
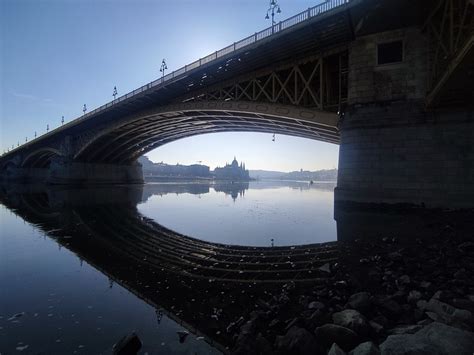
(141, 133)
(40, 158)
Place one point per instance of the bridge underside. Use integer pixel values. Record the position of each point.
(125, 143)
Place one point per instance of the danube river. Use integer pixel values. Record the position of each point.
(79, 269)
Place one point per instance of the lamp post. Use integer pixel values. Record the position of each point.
(47, 128)
(271, 10)
(62, 120)
(84, 109)
(162, 69)
(35, 134)
(115, 92)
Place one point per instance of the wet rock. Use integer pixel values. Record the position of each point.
(128, 345)
(436, 338)
(404, 280)
(353, 320)
(296, 341)
(360, 301)
(367, 348)
(395, 256)
(461, 274)
(336, 350)
(332, 333)
(425, 284)
(463, 304)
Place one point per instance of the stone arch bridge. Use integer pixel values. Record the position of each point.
(395, 91)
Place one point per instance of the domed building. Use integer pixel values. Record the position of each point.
(232, 171)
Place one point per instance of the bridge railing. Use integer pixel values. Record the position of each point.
(258, 36)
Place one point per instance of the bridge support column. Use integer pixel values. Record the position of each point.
(24, 175)
(65, 172)
(396, 153)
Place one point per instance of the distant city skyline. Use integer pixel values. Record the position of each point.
(57, 56)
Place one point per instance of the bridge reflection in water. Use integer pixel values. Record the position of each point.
(189, 280)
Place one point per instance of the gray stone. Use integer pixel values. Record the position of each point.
(332, 333)
(316, 305)
(405, 329)
(413, 296)
(360, 301)
(353, 320)
(336, 350)
(448, 340)
(367, 348)
(296, 341)
(448, 314)
(325, 268)
(436, 338)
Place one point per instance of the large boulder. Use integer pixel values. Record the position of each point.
(436, 338)
(353, 320)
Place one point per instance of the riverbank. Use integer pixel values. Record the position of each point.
(388, 295)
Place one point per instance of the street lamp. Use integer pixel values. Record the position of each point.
(35, 134)
(84, 109)
(115, 92)
(271, 10)
(62, 120)
(47, 128)
(163, 68)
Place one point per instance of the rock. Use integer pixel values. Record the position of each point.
(448, 340)
(332, 333)
(336, 350)
(367, 348)
(353, 320)
(425, 284)
(405, 329)
(296, 341)
(435, 338)
(391, 308)
(407, 344)
(466, 247)
(404, 280)
(376, 327)
(461, 274)
(127, 345)
(263, 345)
(325, 268)
(413, 296)
(448, 314)
(316, 305)
(395, 256)
(421, 304)
(182, 335)
(360, 301)
(463, 304)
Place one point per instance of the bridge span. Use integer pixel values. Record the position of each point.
(390, 81)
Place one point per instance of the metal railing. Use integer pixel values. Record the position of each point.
(177, 74)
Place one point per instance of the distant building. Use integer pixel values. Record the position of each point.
(232, 171)
(178, 170)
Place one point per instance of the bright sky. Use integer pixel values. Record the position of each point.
(57, 55)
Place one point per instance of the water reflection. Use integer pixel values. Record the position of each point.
(189, 280)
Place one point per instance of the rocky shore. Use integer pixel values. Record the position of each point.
(384, 296)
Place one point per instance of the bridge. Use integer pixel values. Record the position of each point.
(394, 91)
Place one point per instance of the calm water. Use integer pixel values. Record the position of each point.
(65, 289)
(290, 213)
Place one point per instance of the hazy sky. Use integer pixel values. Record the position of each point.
(57, 55)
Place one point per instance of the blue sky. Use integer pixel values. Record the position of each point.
(56, 55)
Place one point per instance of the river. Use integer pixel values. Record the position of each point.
(69, 287)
